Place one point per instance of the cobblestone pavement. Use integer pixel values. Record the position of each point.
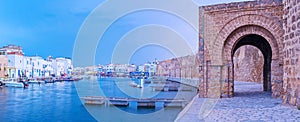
(250, 104)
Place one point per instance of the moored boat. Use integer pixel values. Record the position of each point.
(14, 83)
(135, 85)
(35, 81)
(49, 81)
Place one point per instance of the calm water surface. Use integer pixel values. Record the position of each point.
(61, 102)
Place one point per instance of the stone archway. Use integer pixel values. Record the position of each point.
(262, 44)
(261, 38)
(228, 26)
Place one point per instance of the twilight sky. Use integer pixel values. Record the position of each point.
(50, 27)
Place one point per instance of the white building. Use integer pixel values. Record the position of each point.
(110, 68)
(62, 66)
(47, 68)
(118, 69)
(27, 66)
(141, 68)
(35, 66)
(151, 68)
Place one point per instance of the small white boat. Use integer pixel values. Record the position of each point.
(133, 84)
(35, 81)
(13, 83)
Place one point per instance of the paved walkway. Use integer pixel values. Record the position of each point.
(250, 104)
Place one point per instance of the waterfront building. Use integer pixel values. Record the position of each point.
(141, 68)
(131, 68)
(117, 69)
(150, 68)
(37, 66)
(15, 57)
(124, 69)
(163, 68)
(19, 65)
(90, 70)
(109, 69)
(47, 70)
(27, 66)
(3, 66)
(62, 66)
(100, 70)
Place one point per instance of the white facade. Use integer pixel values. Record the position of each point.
(141, 68)
(62, 66)
(27, 66)
(47, 68)
(35, 66)
(151, 68)
(16, 61)
(109, 68)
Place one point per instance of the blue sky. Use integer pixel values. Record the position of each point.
(50, 27)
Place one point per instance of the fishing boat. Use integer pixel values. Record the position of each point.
(35, 81)
(133, 84)
(14, 83)
(1, 83)
(49, 81)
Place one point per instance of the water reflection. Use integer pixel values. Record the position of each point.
(61, 102)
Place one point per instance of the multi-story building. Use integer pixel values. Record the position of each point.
(47, 68)
(124, 69)
(37, 66)
(15, 57)
(109, 69)
(3, 66)
(131, 68)
(118, 69)
(62, 66)
(19, 65)
(141, 68)
(27, 66)
(150, 68)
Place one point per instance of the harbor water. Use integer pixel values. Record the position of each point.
(61, 101)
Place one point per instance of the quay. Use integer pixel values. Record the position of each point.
(171, 87)
(139, 102)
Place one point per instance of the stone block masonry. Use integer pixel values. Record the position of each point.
(272, 26)
(291, 43)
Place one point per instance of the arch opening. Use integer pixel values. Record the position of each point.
(262, 44)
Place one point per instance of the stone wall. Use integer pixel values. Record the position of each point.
(291, 52)
(248, 64)
(182, 67)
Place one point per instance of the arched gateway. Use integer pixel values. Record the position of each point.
(227, 27)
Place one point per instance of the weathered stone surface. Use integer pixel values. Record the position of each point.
(251, 104)
(291, 52)
(182, 67)
(225, 28)
(248, 64)
(226, 25)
